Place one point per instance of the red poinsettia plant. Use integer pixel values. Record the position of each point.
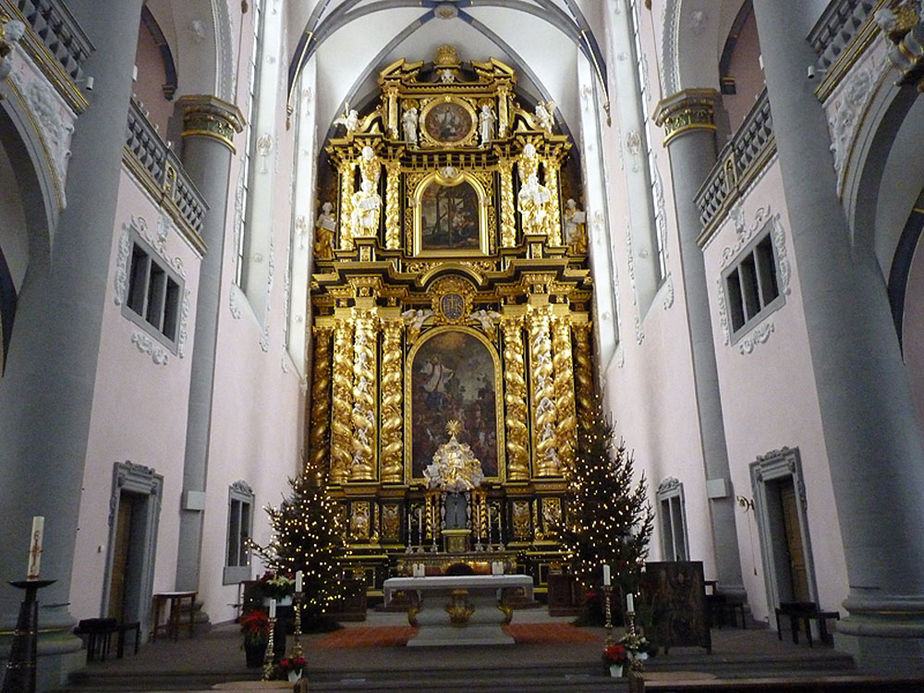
(288, 664)
(255, 626)
(615, 654)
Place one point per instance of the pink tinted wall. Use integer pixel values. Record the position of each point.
(744, 67)
(151, 78)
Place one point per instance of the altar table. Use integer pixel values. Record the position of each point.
(459, 609)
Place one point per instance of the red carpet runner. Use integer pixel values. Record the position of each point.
(394, 636)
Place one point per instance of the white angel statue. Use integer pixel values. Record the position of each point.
(349, 119)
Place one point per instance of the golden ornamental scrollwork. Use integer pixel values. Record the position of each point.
(545, 414)
(392, 443)
(391, 522)
(584, 372)
(392, 204)
(362, 464)
(550, 168)
(515, 393)
(564, 389)
(521, 520)
(342, 403)
(508, 210)
(346, 205)
(320, 403)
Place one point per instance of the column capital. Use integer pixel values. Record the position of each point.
(688, 109)
(209, 116)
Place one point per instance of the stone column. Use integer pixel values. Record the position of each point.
(688, 119)
(47, 391)
(209, 125)
(872, 439)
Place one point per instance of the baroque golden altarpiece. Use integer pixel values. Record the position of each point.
(450, 285)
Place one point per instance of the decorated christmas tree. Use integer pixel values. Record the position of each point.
(609, 517)
(308, 536)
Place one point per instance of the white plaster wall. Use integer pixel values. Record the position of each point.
(649, 385)
(139, 415)
(769, 402)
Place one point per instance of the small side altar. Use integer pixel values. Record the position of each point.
(459, 609)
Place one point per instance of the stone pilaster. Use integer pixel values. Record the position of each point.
(209, 125)
(689, 134)
(48, 387)
(870, 431)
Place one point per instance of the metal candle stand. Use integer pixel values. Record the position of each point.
(635, 663)
(21, 666)
(269, 655)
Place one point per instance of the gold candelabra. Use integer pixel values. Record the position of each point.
(297, 608)
(607, 597)
(269, 655)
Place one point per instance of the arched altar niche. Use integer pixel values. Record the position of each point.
(449, 214)
(454, 374)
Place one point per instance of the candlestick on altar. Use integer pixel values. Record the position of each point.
(606, 575)
(297, 607)
(630, 603)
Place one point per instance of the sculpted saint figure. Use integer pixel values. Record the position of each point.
(544, 117)
(486, 122)
(349, 119)
(366, 205)
(575, 232)
(409, 122)
(325, 227)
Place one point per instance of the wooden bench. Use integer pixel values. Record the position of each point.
(861, 683)
(805, 612)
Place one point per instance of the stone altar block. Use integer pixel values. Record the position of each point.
(459, 609)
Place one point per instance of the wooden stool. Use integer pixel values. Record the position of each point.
(171, 627)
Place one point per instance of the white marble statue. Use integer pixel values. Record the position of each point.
(543, 114)
(325, 228)
(409, 123)
(349, 119)
(575, 233)
(533, 202)
(486, 120)
(366, 205)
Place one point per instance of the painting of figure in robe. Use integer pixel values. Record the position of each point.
(452, 377)
(449, 217)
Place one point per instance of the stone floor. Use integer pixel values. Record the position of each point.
(216, 657)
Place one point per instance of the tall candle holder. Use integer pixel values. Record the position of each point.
(21, 666)
(270, 653)
(607, 598)
(297, 608)
(635, 661)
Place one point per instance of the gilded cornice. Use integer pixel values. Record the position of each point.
(685, 111)
(209, 116)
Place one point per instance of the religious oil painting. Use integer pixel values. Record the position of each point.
(449, 218)
(448, 122)
(453, 377)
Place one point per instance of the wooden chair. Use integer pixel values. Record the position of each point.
(805, 612)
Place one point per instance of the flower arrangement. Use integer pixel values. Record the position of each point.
(637, 645)
(255, 627)
(615, 654)
(287, 664)
(277, 585)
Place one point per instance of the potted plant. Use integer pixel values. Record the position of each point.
(292, 668)
(615, 657)
(255, 627)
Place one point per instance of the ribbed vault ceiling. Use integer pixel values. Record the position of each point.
(354, 39)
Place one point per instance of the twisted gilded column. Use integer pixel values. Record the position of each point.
(342, 403)
(508, 209)
(346, 205)
(584, 380)
(515, 393)
(392, 204)
(392, 444)
(550, 171)
(362, 464)
(320, 403)
(563, 364)
(545, 415)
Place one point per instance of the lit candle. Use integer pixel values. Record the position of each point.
(35, 547)
(606, 575)
(298, 581)
(630, 603)
(272, 613)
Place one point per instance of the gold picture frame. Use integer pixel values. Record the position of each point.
(450, 215)
(448, 122)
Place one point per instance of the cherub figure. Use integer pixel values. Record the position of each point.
(543, 115)
(349, 119)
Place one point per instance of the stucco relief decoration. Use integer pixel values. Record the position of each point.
(661, 228)
(271, 270)
(845, 115)
(630, 261)
(723, 311)
(198, 30)
(633, 147)
(264, 149)
(147, 345)
(54, 119)
(759, 335)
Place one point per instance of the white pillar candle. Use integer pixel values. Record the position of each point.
(272, 613)
(630, 603)
(606, 575)
(298, 581)
(35, 547)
